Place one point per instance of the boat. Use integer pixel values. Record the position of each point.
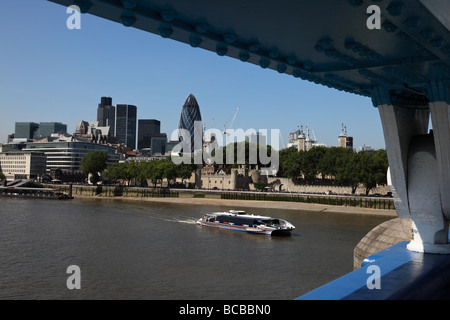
(37, 193)
(237, 220)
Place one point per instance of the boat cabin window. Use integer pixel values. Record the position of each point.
(271, 222)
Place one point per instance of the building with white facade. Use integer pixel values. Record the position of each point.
(22, 164)
(67, 155)
(64, 153)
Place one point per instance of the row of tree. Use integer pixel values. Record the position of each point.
(155, 171)
(340, 164)
(95, 162)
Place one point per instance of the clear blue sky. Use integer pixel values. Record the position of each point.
(51, 73)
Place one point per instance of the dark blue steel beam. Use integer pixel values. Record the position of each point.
(325, 42)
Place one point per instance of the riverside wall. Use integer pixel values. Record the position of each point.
(245, 179)
(291, 185)
(251, 198)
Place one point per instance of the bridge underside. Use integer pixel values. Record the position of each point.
(326, 42)
(404, 67)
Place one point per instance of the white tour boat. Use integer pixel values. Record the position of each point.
(241, 221)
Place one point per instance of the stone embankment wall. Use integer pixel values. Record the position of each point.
(245, 179)
(286, 184)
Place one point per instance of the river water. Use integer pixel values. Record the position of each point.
(147, 250)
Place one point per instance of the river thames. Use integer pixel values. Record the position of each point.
(149, 250)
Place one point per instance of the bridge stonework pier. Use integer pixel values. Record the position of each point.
(419, 159)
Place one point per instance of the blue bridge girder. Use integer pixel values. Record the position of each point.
(325, 42)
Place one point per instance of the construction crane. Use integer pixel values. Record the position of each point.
(232, 121)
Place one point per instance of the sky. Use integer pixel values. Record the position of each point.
(51, 73)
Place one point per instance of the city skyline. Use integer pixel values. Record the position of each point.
(54, 69)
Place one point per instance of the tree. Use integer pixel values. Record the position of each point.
(309, 164)
(154, 171)
(260, 185)
(315, 163)
(169, 169)
(373, 169)
(347, 170)
(132, 171)
(93, 163)
(115, 171)
(328, 164)
(290, 163)
(184, 170)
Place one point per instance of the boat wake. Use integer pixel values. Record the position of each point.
(187, 221)
(193, 221)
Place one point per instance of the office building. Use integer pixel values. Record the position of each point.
(170, 145)
(32, 130)
(48, 128)
(125, 128)
(26, 130)
(158, 144)
(106, 114)
(22, 164)
(147, 129)
(190, 113)
(67, 155)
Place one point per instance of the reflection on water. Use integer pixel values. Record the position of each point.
(145, 250)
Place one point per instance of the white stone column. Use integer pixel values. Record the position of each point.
(429, 224)
(399, 126)
(419, 165)
(440, 117)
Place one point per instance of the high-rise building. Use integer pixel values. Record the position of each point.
(32, 130)
(26, 130)
(48, 128)
(158, 144)
(190, 113)
(125, 128)
(147, 129)
(106, 114)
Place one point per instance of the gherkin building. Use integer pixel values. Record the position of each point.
(190, 113)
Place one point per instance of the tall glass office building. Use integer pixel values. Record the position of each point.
(106, 114)
(48, 128)
(189, 114)
(126, 121)
(26, 130)
(147, 129)
(32, 130)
